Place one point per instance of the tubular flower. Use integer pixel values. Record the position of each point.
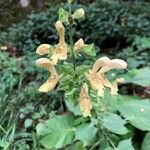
(85, 102)
(60, 52)
(54, 77)
(79, 45)
(43, 49)
(97, 77)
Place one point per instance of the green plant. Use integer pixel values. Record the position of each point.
(93, 101)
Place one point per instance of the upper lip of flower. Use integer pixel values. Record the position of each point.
(97, 75)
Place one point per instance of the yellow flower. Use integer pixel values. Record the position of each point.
(54, 77)
(97, 77)
(85, 102)
(60, 52)
(4, 48)
(79, 45)
(114, 87)
(43, 49)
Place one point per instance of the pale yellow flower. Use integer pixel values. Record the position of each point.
(4, 48)
(85, 102)
(79, 45)
(114, 87)
(97, 77)
(43, 49)
(60, 52)
(54, 77)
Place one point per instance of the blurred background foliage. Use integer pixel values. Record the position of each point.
(119, 28)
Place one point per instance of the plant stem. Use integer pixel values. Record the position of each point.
(3, 129)
(71, 39)
(99, 107)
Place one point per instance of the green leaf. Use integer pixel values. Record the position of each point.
(89, 49)
(86, 133)
(125, 145)
(76, 146)
(4, 144)
(137, 113)
(58, 131)
(115, 124)
(74, 109)
(63, 15)
(82, 70)
(146, 142)
(140, 77)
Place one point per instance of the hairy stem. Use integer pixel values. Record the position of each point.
(71, 38)
(100, 109)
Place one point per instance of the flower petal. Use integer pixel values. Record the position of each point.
(49, 84)
(60, 53)
(79, 45)
(47, 64)
(43, 49)
(85, 102)
(61, 30)
(118, 64)
(103, 61)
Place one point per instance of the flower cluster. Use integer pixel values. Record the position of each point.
(98, 81)
(96, 76)
(59, 53)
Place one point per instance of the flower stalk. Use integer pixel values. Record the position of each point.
(71, 37)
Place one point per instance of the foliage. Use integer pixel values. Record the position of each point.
(20, 104)
(31, 120)
(112, 23)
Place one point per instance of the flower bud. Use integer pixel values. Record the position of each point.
(79, 13)
(59, 26)
(43, 49)
(3, 48)
(43, 62)
(79, 45)
(61, 31)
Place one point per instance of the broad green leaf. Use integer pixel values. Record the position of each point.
(104, 144)
(137, 112)
(115, 124)
(125, 145)
(63, 15)
(89, 49)
(76, 146)
(144, 42)
(58, 131)
(140, 77)
(86, 133)
(146, 142)
(74, 109)
(4, 144)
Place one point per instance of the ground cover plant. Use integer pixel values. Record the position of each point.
(80, 107)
